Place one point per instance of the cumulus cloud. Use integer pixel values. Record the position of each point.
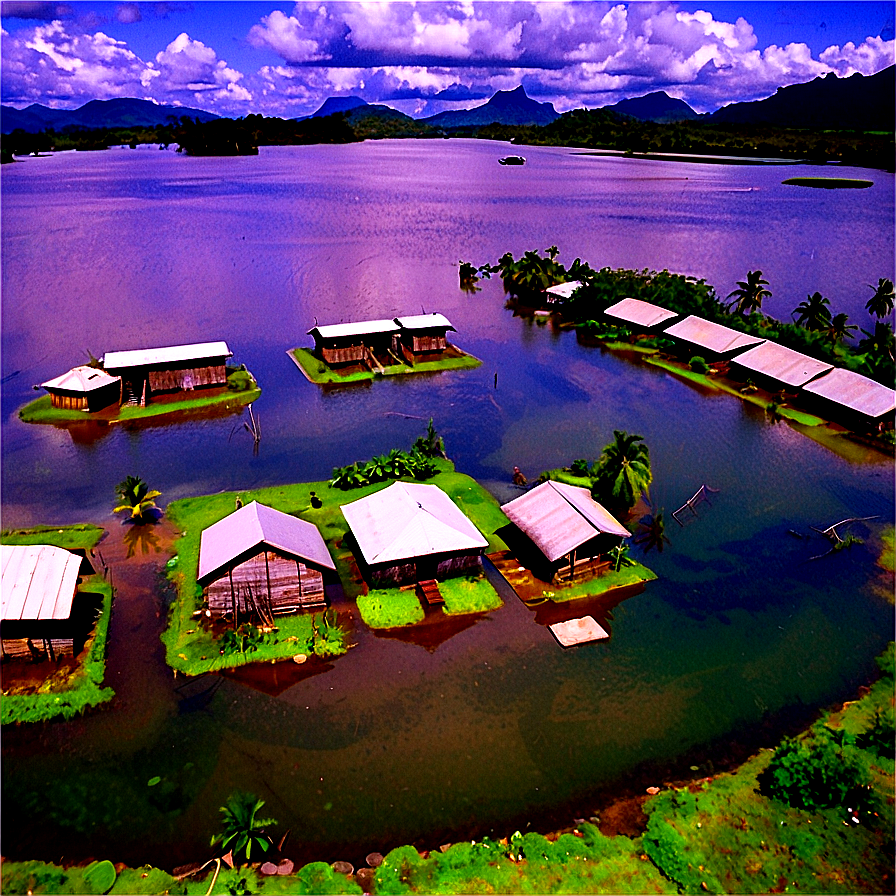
(188, 66)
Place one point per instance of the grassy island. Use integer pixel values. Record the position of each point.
(74, 685)
(319, 372)
(241, 390)
(194, 648)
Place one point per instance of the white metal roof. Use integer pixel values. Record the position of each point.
(407, 520)
(424, 321)
(172, 354)
(854, 391)
(564, 290)
(709, 335)
(560, 517)
(636, 311)
(255, 526)
(355, 328)
(81, 379)
(782, 364)
(38, 581)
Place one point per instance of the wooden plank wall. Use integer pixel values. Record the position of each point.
(173, 380)
(68, 402)
(345, 355)
(429, 343)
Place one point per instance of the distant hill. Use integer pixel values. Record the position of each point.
(858, 103)
(335, 104)
(510, 107)
(124, 112)
(657, 106)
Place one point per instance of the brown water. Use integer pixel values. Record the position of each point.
(468, 726)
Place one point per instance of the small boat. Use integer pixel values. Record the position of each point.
(512, 160)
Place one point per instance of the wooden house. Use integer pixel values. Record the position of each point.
(43, 613)
(261, 562)
(708, 340)
(423, 337)
(359, 342)
(645, 317)
(412, 532)
(569, 528)
(177, 368)
(851, 398)
(776, 367)
(84, 389)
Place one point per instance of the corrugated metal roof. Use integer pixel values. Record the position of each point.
(854, 391)
(408, 520)
(355, 328)
(564, 290)
(560, 517)
(81, 379)
(782, 364)
(424, 321)
(38, 581)
(172, 354)
(255, 526)
(644, 314)
(711, 336)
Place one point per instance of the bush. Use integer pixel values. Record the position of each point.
(699, 365)
(239, 379)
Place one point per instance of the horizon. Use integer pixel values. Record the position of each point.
(285, 60)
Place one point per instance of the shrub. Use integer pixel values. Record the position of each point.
(699, 365)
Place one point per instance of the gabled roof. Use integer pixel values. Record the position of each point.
(644, 314)
(564, 290)
(408, 520)
(172, 354)
(355, 328)
(560, 517)
(782, 364)
(38, 581)
(81, 379)
(252, 528)
(854, 391)
(711, 336)
(424, 321)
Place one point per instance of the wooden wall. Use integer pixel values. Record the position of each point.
(428, 568)
(346, 354)
(174, 380)
(428, 342)
(68, 402)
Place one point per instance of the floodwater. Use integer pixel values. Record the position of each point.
(482, 724)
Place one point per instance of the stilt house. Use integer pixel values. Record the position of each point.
(261, 562)
(778, 367)
(84, 389)
(43, 612)
(857, 401)
(355, 343)
(413, 532)
(571, 530)
(177, 368)
(642, 316)
(711, 341)
(423, 337)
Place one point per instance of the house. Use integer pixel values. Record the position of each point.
(710, 341)
(573, 533)
(776, 367)
(858, 401)
(412, 532)
(561, 291)
(43, 612)
(177, 368)
(423, 337)
(355, 343)
(262, 562)
(84, 389)
(643, 316)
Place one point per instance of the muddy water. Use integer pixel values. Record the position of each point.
(466, 726)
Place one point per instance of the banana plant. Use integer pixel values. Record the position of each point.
(136, 497)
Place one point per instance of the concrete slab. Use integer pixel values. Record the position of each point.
(578, 631)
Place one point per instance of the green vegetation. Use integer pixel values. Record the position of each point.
(390, 607)
(468, 594)
(71, 688)
(622, 473)
(749, 294)
(880, 305)
(829, 183)
(319, 372)
(632, 573)
(241, 827)
(136, 497)
(241, 390)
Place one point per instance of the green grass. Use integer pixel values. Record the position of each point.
(192, 649)
(83, 536)
(319, 372)
(888, 555)
(829, 183)
(469, 594)
(634, 574)
(42, 411)
(390, 608)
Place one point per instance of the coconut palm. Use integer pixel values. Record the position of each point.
(881, 303)
(813, 313)
(878, 343)
(839, 330)
(242, 826)
(623, 471)
(749, 294)
(136, 498)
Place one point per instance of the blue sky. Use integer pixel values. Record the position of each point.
(285, 59)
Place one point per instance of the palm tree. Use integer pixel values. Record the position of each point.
(242, 827)
(623, 472)
(749, 294)
(839, 330)
(813, 313)
(881, 303)
(880, 342)
(136, 497)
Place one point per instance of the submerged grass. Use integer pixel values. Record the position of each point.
(319, 372)
(633, 574)
(390, 608)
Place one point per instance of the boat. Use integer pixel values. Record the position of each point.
(512, 160)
